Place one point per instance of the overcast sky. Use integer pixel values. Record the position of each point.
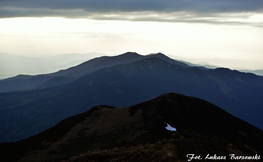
(197, 30)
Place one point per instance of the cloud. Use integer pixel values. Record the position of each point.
(200, 6)
(202, 11)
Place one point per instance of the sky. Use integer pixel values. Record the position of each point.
(224, 33)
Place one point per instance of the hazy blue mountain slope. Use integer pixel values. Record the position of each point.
(23, 114)
(62, 76)
(98, 63)
(23, 82)
(73, 73)
(104, 62)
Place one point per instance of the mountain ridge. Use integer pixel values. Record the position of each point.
(142, 125)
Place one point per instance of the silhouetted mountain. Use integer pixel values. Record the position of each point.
(23, 114)
(73, 73)
(98, 63)
(138, 133)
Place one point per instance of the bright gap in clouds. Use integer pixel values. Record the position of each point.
(198, 42)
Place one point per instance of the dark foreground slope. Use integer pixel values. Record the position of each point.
(138, 133)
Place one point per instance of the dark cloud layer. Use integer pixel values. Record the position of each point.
(201, 6)
(97, 9)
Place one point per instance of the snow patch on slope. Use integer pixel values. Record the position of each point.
(170, 128)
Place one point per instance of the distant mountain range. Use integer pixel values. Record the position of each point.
(25, 82)
(258, 72)
(12, 65)
(139, 133)
(121, 81)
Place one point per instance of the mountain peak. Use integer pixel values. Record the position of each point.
(130, 54)
(168, 59)
(159, 53)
